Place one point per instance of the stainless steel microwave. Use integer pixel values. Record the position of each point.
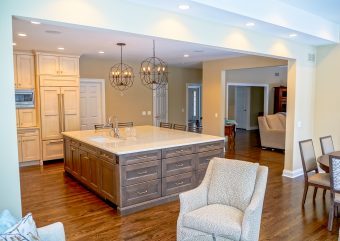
(24, 98)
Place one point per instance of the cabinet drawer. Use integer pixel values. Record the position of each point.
(88, 148)
(28, 132)
(136, 158)
(142, 172)
(141, 192)
(178, 183)
(107, 156)
(53, 149)
(178, 165)
(177, 151)
(210, 146)
(205, 157)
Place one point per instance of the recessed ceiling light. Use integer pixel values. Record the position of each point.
(14, 44)
(250, 24)
(183, 6)
(22, 34)
(61, 48)
(186, 55)
(292, 35)
(35, 22)
(100, 52)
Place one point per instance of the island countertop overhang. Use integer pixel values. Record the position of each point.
(146, 138)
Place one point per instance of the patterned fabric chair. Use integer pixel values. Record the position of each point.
(334, 172)
(326, 145)
(317, 180)
(228, 203)
(165, 125)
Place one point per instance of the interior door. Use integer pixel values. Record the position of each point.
(160, 105)
(194, 104)
(50, 116)
(70, 108)
(91, 106)
(242, 106)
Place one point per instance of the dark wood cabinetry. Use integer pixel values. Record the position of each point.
(139, 180)
(280, 99)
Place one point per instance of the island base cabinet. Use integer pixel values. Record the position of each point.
(178, 183)
(108, 186)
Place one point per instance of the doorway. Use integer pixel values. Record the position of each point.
(194, 107)
(160, 105)
(92, 103)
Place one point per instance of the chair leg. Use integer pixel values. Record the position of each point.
(331, 217)
(315, 191)
(304, 194)
(324, 193)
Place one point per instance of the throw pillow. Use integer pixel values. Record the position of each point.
(7, 220)
(232, 182)
(25, 230)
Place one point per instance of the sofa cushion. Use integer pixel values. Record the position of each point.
(25, 230)
(282, 118)
(7, 220)
(232, 182)
(274, 122)
(216, 218)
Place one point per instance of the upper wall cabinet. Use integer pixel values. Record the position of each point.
(24, 71)
(57, 65)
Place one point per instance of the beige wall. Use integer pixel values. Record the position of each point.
(178, 78)
(327, 111)
(130, 105)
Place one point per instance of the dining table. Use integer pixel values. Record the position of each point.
(324, 160)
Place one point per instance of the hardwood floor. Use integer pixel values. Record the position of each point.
(52, 196)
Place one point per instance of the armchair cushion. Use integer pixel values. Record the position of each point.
(238, 188)
(216, 218)
(274, 122)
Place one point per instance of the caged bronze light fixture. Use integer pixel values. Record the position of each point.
(154, 72)
(121, 75)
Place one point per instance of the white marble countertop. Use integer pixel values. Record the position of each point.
(139, 138)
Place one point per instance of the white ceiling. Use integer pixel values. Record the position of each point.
(89, 41)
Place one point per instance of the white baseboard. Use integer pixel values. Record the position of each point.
(251, 128)
(292, 174)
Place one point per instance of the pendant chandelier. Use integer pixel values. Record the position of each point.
(121, 75)
(154, 72)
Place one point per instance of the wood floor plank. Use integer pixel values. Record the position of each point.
(52, 196)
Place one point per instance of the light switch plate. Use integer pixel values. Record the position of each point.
(149, 112)
(143, 112)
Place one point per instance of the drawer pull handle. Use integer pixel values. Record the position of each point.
(143, 157)
(179, 164)
(180, 151)
(141, 173)
(179, 183)
(141, 193)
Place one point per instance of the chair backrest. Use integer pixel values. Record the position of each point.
(334, 173)
(195, 129)
(179, 127)
(165, 125)
(102, 126)
(308, 156)
(326, 145)
(125, 124)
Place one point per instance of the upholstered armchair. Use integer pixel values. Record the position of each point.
(273, 131)
(228, 203)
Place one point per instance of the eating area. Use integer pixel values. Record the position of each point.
(322, 172)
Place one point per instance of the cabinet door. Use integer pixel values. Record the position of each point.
(108, 182)
(85, 172)
(19, 149)
(67, 157)
(94, 167)
(69, 66)
(27, 118)
(50, 100)
(25, 71)
(70, 108)
(53, 149)
(17, 117)
(15, 70)
(48, 65)
(30, 148)
(76, 171)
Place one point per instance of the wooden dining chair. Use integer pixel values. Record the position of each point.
(317, 180)
(334, 175)
(326, 145)
(196, 129)
(165, 125)
(125, 124)
(179, 127)
(102, 126)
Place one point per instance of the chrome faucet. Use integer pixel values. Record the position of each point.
(115, 128)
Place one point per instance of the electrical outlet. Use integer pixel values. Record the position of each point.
(143, 112)
(149, 112)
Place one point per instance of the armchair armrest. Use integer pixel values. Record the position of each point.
(252, 215)
(193, 199)
(52, 232)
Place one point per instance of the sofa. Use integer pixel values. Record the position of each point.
(52, 232)
(273, 131)
(227, 204)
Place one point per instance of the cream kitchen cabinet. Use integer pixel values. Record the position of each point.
(28, 145)
(26, 118)
(24, 71)
(58, 65)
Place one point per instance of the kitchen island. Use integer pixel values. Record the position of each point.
(146, 166)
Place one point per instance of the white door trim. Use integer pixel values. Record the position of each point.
(187, 85)
(265, 96)
(102, 82)
(155, 98)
